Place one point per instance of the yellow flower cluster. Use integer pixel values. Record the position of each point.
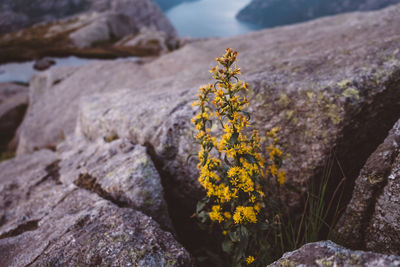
(245, 214)
(275, 157)
(232, 166)
(216, 214)
(232, 170)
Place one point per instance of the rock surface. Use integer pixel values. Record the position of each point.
(327, 253)
(13, 105)
(372, 218)
(118, 171)
(54, 213)
(156, 41)
(43, 64)
(271, 13)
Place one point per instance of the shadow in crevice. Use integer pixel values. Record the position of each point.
(22, 228)
(365, 130)
(189, 234)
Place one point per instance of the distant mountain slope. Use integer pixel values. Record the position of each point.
(270, 13)
(18, 14)
(168, 4)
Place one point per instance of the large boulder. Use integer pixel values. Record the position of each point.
(372, 218)
(82, 208)
(327, 253)
(271, 13)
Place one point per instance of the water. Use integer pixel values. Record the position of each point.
(22, 72)
(206, 18)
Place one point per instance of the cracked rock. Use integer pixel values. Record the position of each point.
(118, 171)
(327, 253)
(49, 219)
(372, 218)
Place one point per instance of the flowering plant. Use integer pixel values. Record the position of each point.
(232, 170)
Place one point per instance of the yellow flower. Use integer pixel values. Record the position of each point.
(281, 177)
(244, 214)
(227, 215)
(273, 169)
(250, 259)
(275, 152)
(215, 214)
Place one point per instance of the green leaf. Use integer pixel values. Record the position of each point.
(227, 246)
(200, 206)
(234, 236)
(203, 216)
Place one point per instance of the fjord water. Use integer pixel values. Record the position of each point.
(23, 71)
(209, 18)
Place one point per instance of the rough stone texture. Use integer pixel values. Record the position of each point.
(372, 218)
(270, 13)
(331, 84)
(118, 171)
(48, 216)
(100, 28)
(29, 189)
(54, 85)
(136, 12)
(327, 253)
(156, 41)
(13, 104)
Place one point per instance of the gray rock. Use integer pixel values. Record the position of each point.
(43, 64)
(53, 212)
(327, 253)
(156, 41)
(29, 189)
(372, 218)
(98, 28)
(84, 229)
(13, 105)
(66, 86)
(118, 171)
